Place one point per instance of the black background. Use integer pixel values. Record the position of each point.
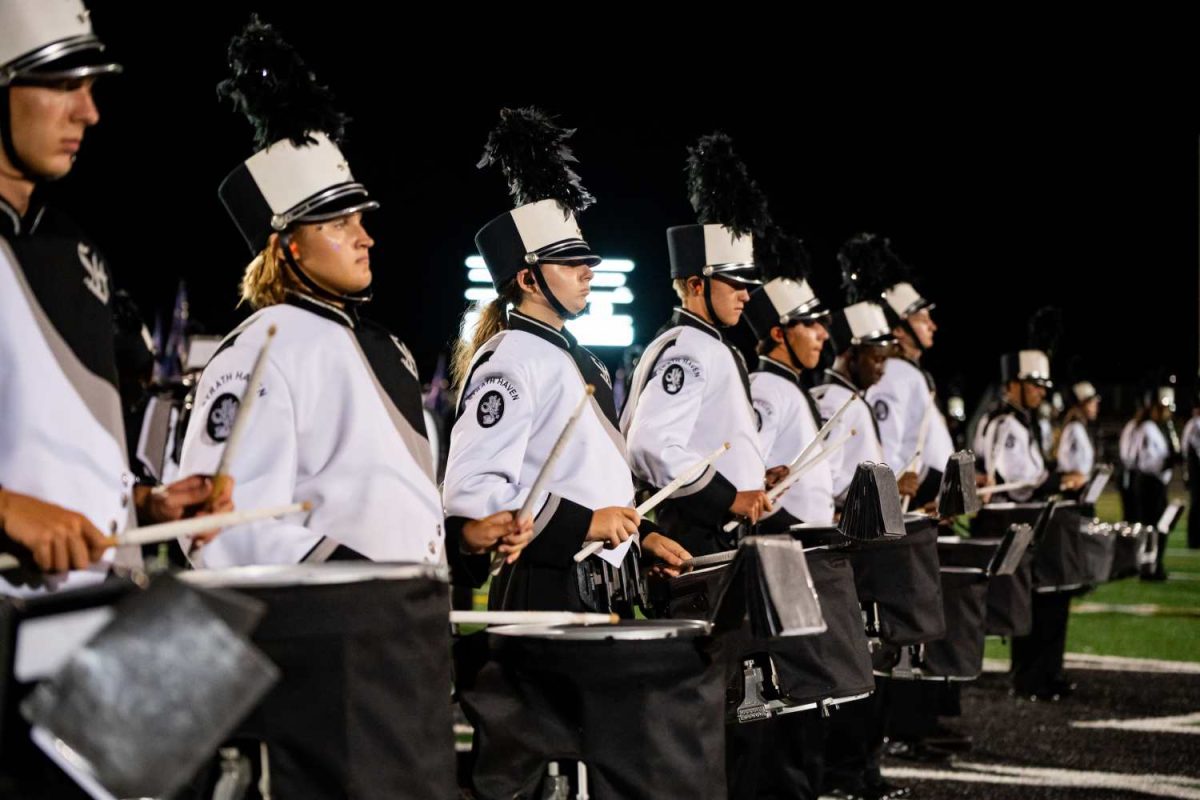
(1013, 164)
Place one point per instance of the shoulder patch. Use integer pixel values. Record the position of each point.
(881, 410)
(1010, 441)
(673, 378)
(221, 415)
(490, 409)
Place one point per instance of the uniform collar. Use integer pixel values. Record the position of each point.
(321, 308)
(13, 224)
(683, 317)
(768, 364)
(523, 322)
(839, 378)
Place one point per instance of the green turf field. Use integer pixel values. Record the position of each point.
(1172, 631)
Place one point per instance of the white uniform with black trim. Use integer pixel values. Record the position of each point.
(1075, 450)
(900, 402)
(690, 394)
(339, 422)
(1151, 451)
(788, 421)
(62, 436)
(523, 385)
(1011, 453)
(863, 446)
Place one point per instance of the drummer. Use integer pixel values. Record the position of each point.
(338, 420)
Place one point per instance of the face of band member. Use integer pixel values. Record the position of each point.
(923, 326)
(867, 364)
(1032, 394)
(570, 284)
(336, 254)
(806, 340)
(1091, 409)
(728, 300)
(48, 123)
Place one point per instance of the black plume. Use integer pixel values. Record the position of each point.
(531, 151)
(1045, 329)
(780, 255)
(721, 190)
(278, 94)
(864, 259)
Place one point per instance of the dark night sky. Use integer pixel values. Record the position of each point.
(1010, 175)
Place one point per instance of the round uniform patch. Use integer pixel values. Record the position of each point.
(490, 409)
(881, 410)
(673, 379)
(1010, 442)
(221, 415)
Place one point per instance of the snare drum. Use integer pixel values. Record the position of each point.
(363, 705)
(640, 703)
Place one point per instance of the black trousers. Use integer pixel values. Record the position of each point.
(779, 758)
(1037, 659)
(1152, 501)
(854, 740)
(1193, 519)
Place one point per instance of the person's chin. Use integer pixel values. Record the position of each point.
(731, 318)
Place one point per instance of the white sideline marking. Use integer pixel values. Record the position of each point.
(1111, 663)
(1177, 786)
(1136, 609)
(1183, 723)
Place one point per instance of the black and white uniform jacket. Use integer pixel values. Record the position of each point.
(900, 402)
(1076, 453)
(690, 394)
(521, 389)
(1152, 451)
(788, 420)
(339, 422)
(862, 446)
(62, 437)
(1010, 444)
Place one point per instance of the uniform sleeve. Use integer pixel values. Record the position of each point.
(768, 414)
(264, 466)
(890, 410)
(1069, 452)
(667, 412)
(1012, 458)
(1153, 450)
(488, 449)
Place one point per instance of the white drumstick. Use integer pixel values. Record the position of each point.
(796, 475)
(687, 476)
(544, 473)
(168, 531)
(822, 432)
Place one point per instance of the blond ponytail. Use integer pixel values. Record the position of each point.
(493, 318)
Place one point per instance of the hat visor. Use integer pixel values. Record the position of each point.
(575, 254)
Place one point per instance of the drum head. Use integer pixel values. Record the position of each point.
(312, 574)
(626, 630)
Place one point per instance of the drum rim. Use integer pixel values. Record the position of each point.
(646, 630)
(327, 573)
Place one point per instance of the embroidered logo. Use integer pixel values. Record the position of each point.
(490, 409)
(1010, 442)
(673, 379)
(407, 357)
(221, 416)
(881, 410)
(96, 279)
(603, 369)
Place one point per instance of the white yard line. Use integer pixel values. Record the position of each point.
(1177, 786)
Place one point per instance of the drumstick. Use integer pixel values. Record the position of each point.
(531, 618)
(167, 531)
(221, 478)
(796, 475)
(922, 434)
(723, 557)
(688, 475)
(822, 432)
(544, 473)
(1005, 487)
